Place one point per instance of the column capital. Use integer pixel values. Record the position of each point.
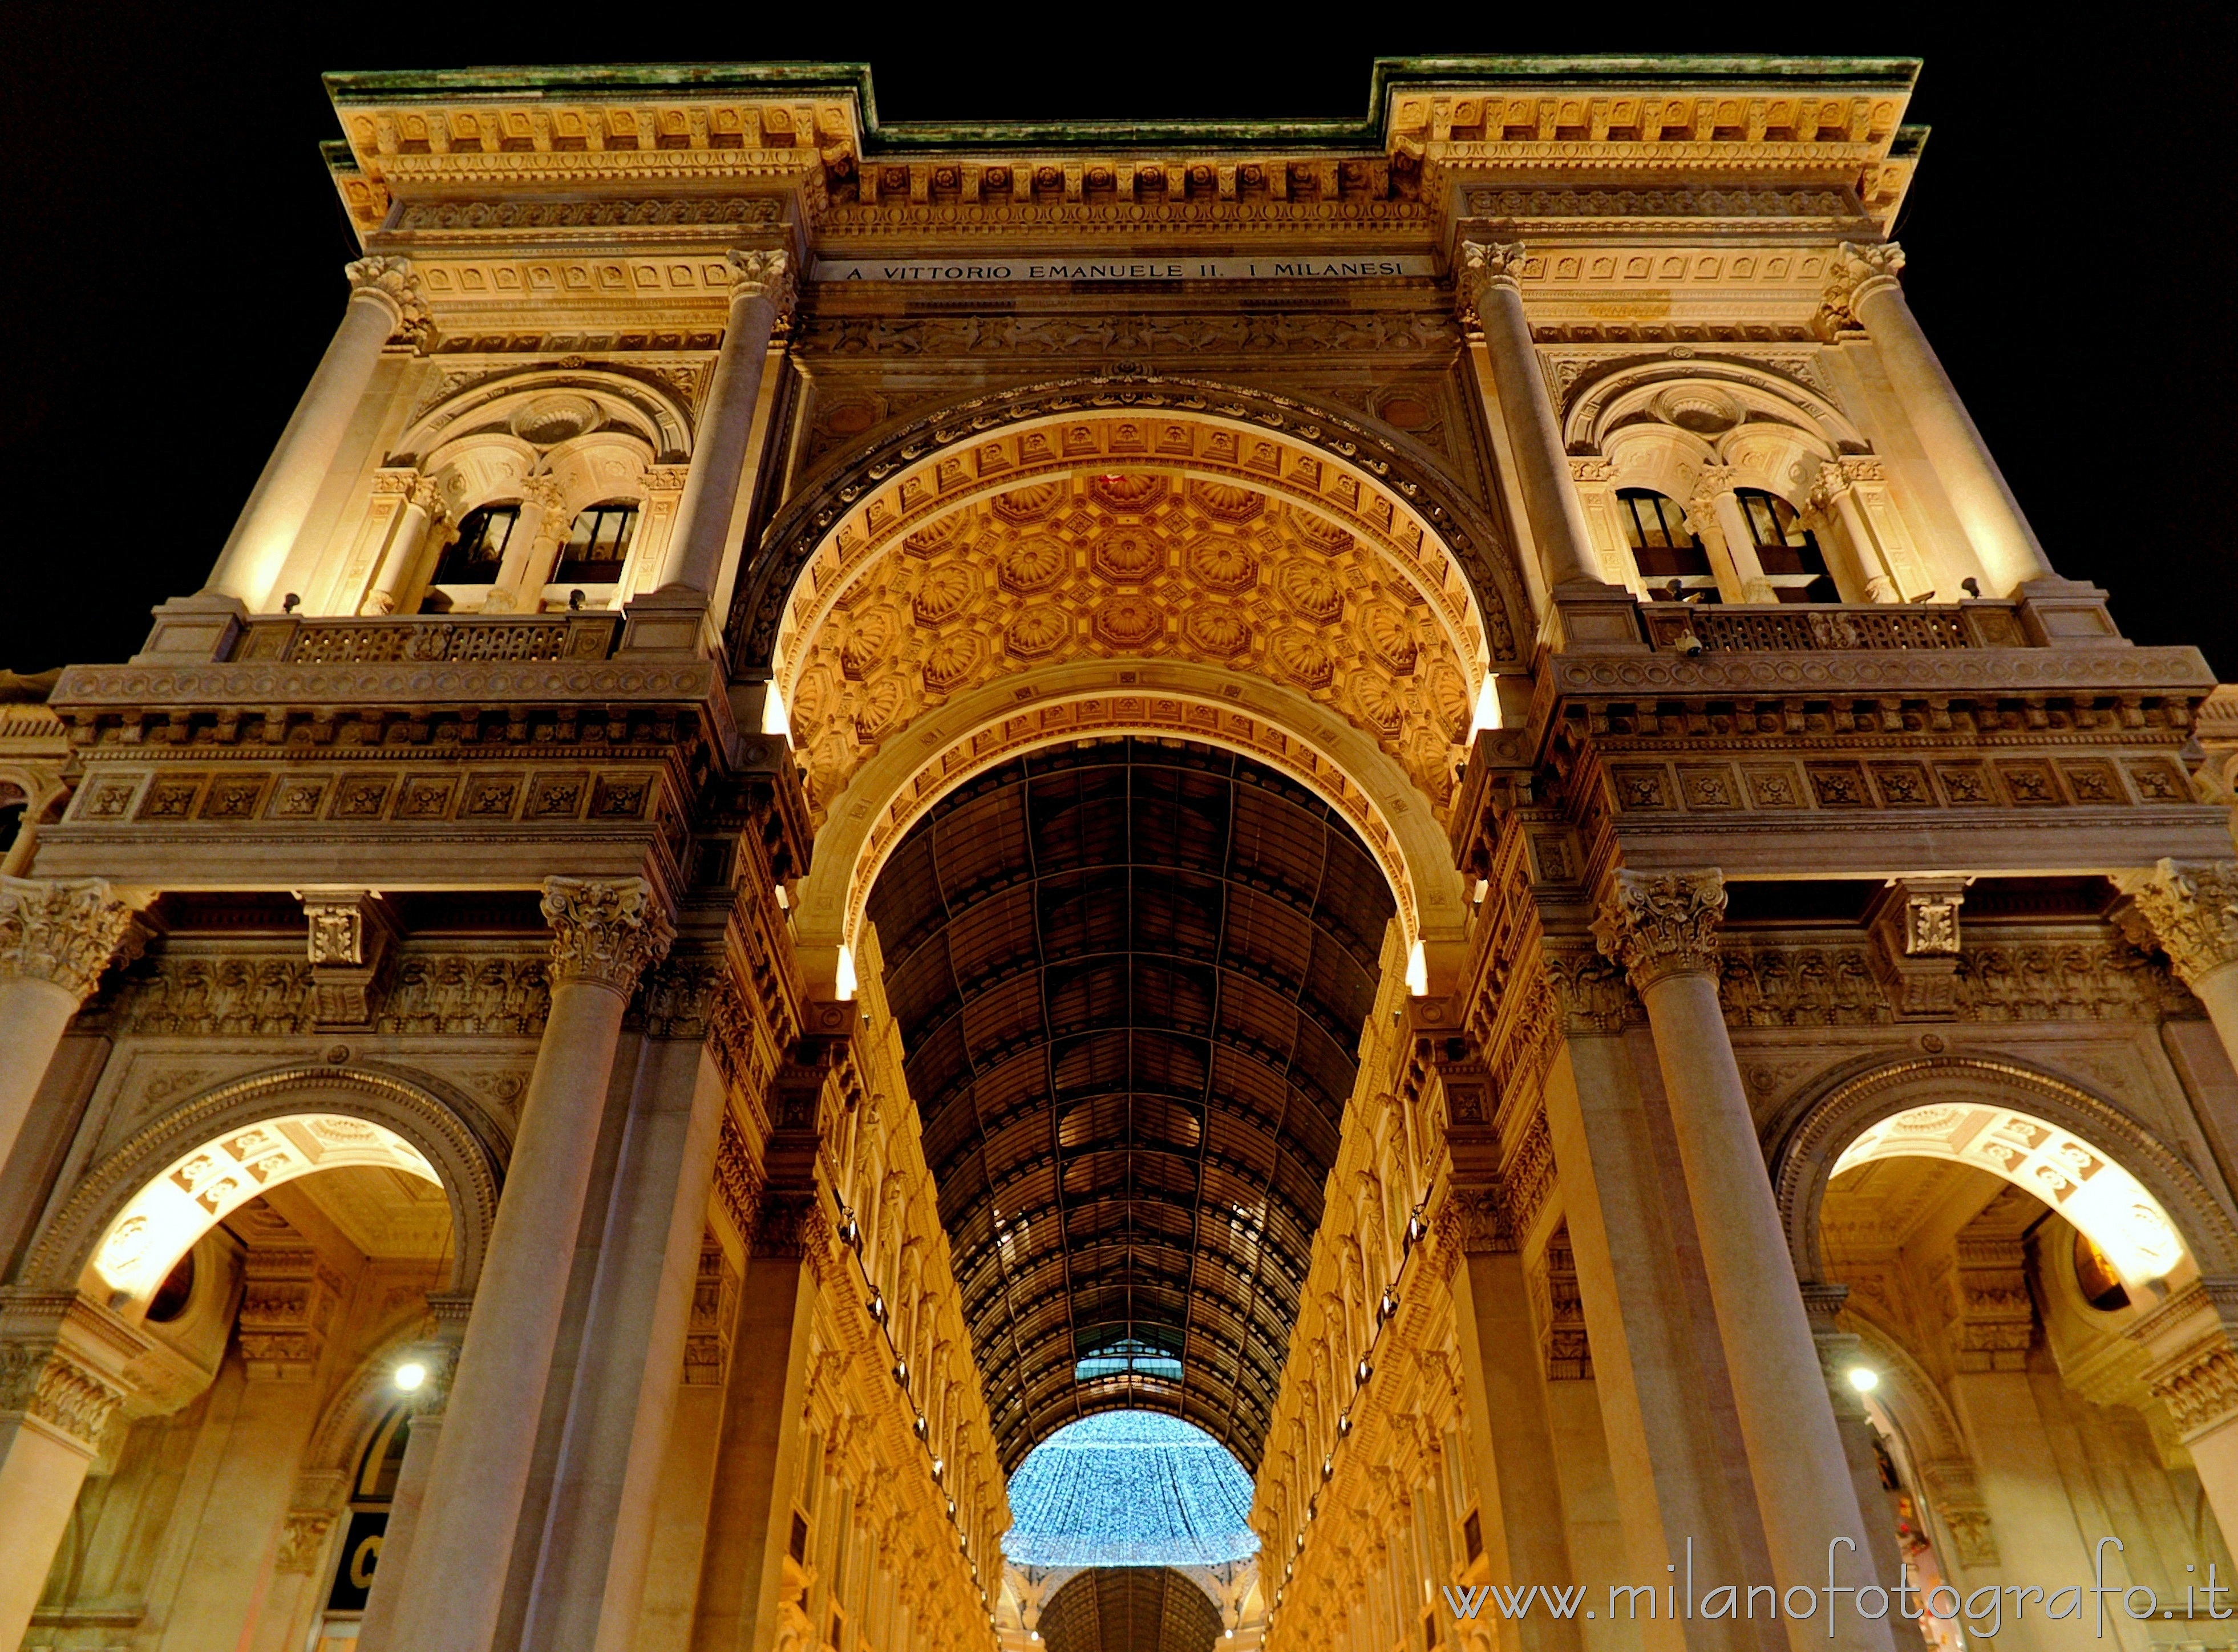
(2190, 907)
(2194, 1370)
(606, 932)
(394, 283)
(1588, 992)
(764, 272)
(424, 495)
(65, 931)
(1660, 924)
(63, 1365)
(1485, 265)
(1857, 270)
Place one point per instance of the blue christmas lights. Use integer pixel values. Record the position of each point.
(1130, 1489)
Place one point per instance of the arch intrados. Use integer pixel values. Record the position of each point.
(1600, 405)
(434, 1130)
(1848, 1107)
(655, 414)
(1375, 467)
(966, 738)
(1458, 608)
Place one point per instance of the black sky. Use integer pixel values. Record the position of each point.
(174, 256)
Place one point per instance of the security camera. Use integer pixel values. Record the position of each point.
(1688, 643)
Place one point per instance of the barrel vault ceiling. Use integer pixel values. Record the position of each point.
(1130, 977)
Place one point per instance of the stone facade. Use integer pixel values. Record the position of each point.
(460, 1185)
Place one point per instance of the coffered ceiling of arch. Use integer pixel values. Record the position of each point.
(1129, 1609)
(1135, 563)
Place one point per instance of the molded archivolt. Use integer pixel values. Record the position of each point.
(2041, 1132)
(1130, 980)
(510, 403)
(217, 1124)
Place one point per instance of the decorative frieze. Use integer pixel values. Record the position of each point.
(1032, 339)
(1770, 982)
(443, 994)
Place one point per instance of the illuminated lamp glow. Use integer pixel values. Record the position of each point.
(1865, 1379)
(775, 718)
(1418, 970)
(842, 979)
(202, 1188)
(409, 1377)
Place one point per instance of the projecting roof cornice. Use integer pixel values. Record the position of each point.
(811, 132)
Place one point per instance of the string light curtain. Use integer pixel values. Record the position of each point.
(1130, 1489)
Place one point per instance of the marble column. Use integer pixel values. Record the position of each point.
(385, 300)
(1864, 286)
(1714, 497)
(62, 1378)
(1520, 1497)
(590, 1577)
(2190, 909)
(606, 934)
(376, 1628)
(531, 550)
(2192, 1340)
(687, 1475)
(1665, 1436)
(1663, 929)
(761, 290)
(1835, 495)
(422, 510)
(1489, 286)
(758, 1462)
(55, 939)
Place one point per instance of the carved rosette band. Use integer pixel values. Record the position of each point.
(392, 282)
(2191, 909)
(1487, 265)
(63, 932)
(1660, 924)
(604, 933)
(766, 273)
(1855, 273)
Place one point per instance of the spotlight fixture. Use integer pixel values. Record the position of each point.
(877, 1305)
(901, 1372)
(951, 1508)
(938, 1467)
(851, 1232)
(1389, 1305)
(1363, 1370)
(409, 1377)
(1417, 1229)
(1344, 1426)
(1865, 1379)
(1328, 1467)
(920, 1425)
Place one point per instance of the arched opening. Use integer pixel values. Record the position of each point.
(1130, 1489)
(1138, 1608)
(1130, 977)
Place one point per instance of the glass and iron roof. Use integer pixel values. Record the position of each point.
(1130, 978)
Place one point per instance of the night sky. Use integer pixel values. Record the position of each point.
(175, 260)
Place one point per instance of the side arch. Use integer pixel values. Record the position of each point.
(469, 1164)
(1849, 1102)
(928, 463)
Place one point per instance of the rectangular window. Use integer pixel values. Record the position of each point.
(597, 547)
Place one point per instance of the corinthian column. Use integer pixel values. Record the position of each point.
(422, 509)
(1864, 286)
(385, 299)
(56, 938)
(1663, 929)
(62, 1364)
(1489, 288)
(2191, 909)
(605, 935)
(761, 290)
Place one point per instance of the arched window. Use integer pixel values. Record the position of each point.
(1672, 564)
(1787, 550)
(475, 557)
(598, 545)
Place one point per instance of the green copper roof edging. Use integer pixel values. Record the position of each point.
(1389, 75)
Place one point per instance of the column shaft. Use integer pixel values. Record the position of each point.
(2002, 538)
(382, 300)
(1663, 929)
(376, 1629)
(55, 939)
(455, 1587)
(1557, 521)
(1505, 1391)
(696, 543)
(413, 521)
(591, 1576)
(751, 1522)
(1740, 546)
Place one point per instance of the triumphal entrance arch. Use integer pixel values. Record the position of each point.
(1346, 887)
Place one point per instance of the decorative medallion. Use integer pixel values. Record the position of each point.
(1130, 622)
(1216, 629)
(1034, 564)
(1127, 555)
(1037, 631)
(1222, 563)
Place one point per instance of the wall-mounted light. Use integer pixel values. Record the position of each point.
(939, 1468)
(1328, 1467)
(877, 1305)
(951, 1508)
(901, 1372)
(921, 1426)
(409, 1378)
(851, 1232)
(1389, 1305)
(1344, 1426)
(1363, 1370)
(1417, 1229)
(1865, 1379)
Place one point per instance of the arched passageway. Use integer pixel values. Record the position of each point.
(1130, 1609)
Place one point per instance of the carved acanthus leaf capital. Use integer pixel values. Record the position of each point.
(2190, 907)
(394, 282)
(1485, 265)
(1475, 1219)
(1589, 992)
(1856, 270)
(427, 496)
(42, 1384)
(64, 931)
(606, 933)
(1658, 924)
(764, 272)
